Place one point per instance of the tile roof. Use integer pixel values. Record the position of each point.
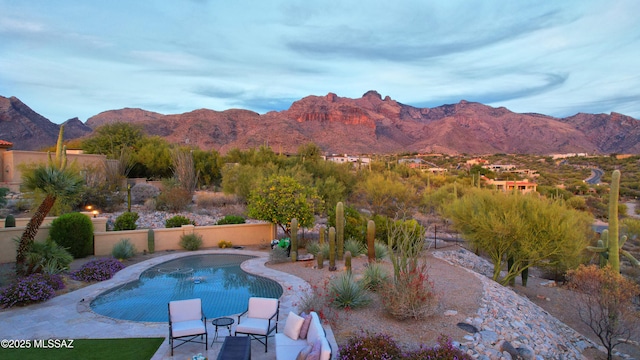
(5, 144)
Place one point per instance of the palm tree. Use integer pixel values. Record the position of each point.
(55, 181)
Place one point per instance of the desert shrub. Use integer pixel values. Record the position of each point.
(48, 257)
(209, 200)
(178, 221)
(224, 244)
(370, 346)
(98, 270)
(346, 293)
(313, 247)
(231, 219)
(356, 247)
(141, 192)
(278, 255)
(101, 197)
(28, 290)
(173, 199)
(73, 231)
(124, 249)
(126, 221)
(381, 250)
(3, 194)
(374, 277)
(444, 350)
(410, 296)
(191, 242)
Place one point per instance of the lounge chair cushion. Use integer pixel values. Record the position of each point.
(253, 326)
(263, 308)
(186, 328)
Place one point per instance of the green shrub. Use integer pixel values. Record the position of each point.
(124, 249)
(48, 257)
(178, 221)
(126, 221)
(371, 346)
(346, 293)
(231, 219)
(313, 247)
(191, 242)
(10, 221)
(101, 197)
(73, 231)
(356, 247)
(375, 277)
(3, 194)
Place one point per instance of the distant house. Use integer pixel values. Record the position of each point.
(11, 162)
(355, 160)
(477, 161)
(523, 186)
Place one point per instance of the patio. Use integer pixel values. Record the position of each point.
(69, 316)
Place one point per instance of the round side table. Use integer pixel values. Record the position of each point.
(221, 321)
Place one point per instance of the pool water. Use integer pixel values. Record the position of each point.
(217, 279)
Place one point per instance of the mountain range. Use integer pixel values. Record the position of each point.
(366, 125)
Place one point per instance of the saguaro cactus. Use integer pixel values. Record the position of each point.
(294, 239)
(332, 249)
(610, 244)
(151, 241)
(371, 239)
(340, 229)
(10, 221)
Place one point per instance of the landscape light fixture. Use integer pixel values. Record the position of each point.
(95, 213)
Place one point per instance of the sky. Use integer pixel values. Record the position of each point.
(68, 59)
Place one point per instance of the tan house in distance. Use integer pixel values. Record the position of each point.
(12, 160)
(523, 186)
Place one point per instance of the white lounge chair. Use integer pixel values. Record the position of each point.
(260, 319)
(186, 320)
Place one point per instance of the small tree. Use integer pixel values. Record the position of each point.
(605, 304)
(279, 199)
(55, 180)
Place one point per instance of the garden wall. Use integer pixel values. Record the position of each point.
(165, 239)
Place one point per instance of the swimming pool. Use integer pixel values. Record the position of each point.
(217, 279)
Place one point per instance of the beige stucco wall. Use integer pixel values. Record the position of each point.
(12, 161)
(165, 239)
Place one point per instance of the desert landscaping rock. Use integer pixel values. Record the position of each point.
(507, 318)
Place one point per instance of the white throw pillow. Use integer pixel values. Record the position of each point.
(293, 325)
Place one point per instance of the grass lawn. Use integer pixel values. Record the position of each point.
(91, 349)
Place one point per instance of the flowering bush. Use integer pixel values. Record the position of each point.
(410, 296)
(31, 289)
(98, 270)
(370, 346)
(443, 351)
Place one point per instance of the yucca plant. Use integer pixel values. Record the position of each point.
(346, 293)
(355, 247)
(374, 277)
